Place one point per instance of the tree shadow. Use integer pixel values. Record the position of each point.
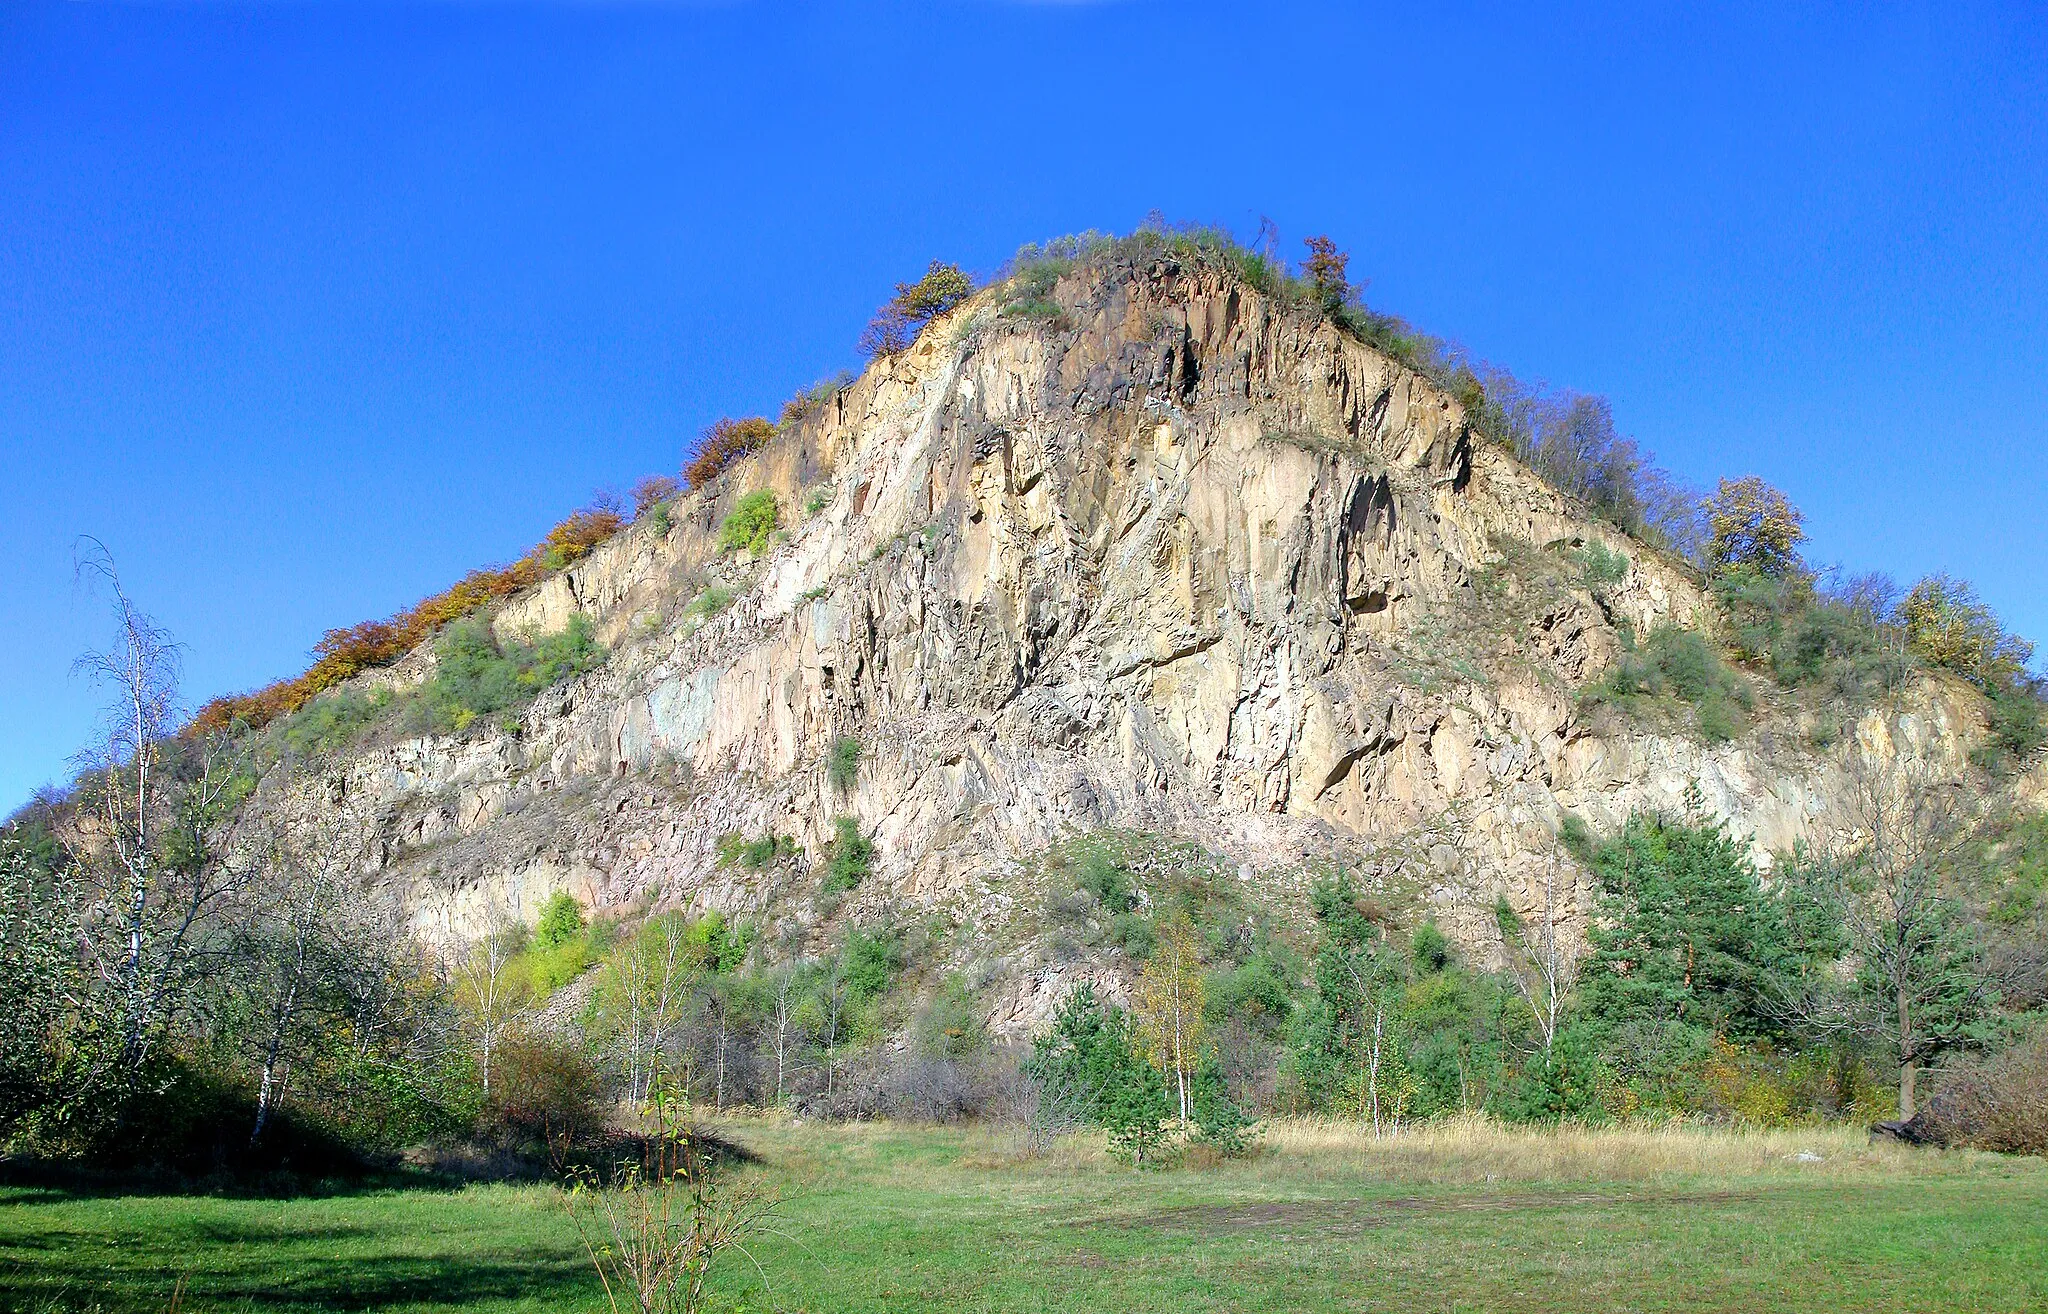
(80, 1282)
(31, 1182)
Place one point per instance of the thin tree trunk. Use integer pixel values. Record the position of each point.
(280, 1023)
(1372, 1084)
(1909, 1068)
(718, 1095)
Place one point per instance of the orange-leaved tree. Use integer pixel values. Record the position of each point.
(726, 441)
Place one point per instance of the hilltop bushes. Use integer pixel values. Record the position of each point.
(477, 676)
(343, 653)
(726, 441)
(899, 321)
(1568, 438)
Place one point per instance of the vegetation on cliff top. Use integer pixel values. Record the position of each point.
(1745, 537)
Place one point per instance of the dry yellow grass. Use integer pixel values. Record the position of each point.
(1477, 1149)
(1455, 1151)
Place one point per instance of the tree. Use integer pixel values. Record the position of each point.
(1689, 948)
(652, 492)
(1328, 272)
(1891, 876)
(1089, 1060)
(788, 1031)
(1347, 1044)
(1544, 968)
(1753, 526)
(152, 882)
(1948, 627)
(560, 921)
(1685, 933)
(724, 949)
(643, 992)
(296, 949)
(727, 440)
(38, 971)
(832, 1005)
(1168, 1003)
(489, 994)
(896, 325)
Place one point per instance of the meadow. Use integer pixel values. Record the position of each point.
(878, 1217)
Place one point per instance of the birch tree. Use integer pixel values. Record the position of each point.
(1168, 1004)
(1544, 966)
(309, 952)
(489, 994)
(644, 993)
(153, 883)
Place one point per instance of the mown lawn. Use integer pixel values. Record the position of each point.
(901, 1219)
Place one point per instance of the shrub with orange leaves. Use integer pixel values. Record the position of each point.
(724, 442)
(344, 653)
(572, 540)
(651, 492)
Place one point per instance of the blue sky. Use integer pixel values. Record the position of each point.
(307, 308)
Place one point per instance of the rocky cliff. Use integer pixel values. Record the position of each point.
(1178, 564)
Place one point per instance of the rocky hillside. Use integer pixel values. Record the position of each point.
(1175, 563)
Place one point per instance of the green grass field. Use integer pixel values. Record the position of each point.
(901, 1219)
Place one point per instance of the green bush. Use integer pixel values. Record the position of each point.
(561, 920)
(1133, 933)
(752, 523)
(1109, 881)
(851, 855)
(1566, 1081)
(1603, 566)
(1219, 1122)
(2019, 724)
(870, 963)
(333, 720)
(950, 1023)
(1836, 642)
(1429, 948)
(710, 602)
(1576, 837)
(1029, 293)
(1678, 664)
(842, 765)
(476, 676)
(735, 850)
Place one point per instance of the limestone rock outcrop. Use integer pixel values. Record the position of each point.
(1180, 563)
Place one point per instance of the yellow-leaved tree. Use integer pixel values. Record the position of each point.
(1168, 1004)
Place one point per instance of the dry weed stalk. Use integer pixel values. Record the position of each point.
(658, 1227)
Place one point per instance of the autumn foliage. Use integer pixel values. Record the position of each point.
(723, 443)
(343, 653)
(897, 324)
(651, 492)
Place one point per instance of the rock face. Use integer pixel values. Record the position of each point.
(1178, 564)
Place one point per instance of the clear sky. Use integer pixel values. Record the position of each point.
(307, 308)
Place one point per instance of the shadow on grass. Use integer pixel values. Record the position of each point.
(35, 1182)
(369, 1283)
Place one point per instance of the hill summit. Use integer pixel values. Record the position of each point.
(1125, 551)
